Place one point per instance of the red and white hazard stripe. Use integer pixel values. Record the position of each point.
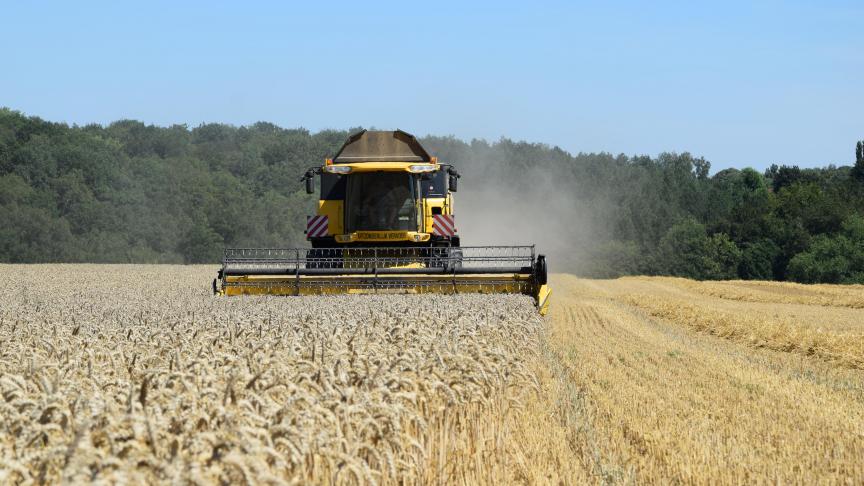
(316, 226)
(443, 224)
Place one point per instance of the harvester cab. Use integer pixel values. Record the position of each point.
(384, 224)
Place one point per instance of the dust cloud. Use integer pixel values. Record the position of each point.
(493, 208)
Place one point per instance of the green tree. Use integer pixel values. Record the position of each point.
(722, 258)
(687, 251)
(816, 209)
(858, 169)
(837, 259)
(32, 234)
(758, 260)
(682, 249)
(201, 244)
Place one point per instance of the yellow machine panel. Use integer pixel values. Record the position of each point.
(429, 204)
(333, 210)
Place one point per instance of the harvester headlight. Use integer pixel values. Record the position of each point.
(418, 168)
(337, 169)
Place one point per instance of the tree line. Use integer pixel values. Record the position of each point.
(131, 192)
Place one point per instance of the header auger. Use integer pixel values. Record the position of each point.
(384, 224)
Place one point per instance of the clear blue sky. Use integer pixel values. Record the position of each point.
(742, 83)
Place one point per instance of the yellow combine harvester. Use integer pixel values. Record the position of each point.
(384, 224)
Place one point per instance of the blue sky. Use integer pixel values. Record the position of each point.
(741, 83)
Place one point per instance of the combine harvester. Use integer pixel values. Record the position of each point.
(384, 224)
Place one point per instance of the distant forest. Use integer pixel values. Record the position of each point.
(130, 192)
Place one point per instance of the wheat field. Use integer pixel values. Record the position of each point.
(136, 374)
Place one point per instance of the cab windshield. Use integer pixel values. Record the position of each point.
(381, 201)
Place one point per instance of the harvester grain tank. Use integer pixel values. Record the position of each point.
(385, 223)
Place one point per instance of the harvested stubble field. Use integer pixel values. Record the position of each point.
(137, 374)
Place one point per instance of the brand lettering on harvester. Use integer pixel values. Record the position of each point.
(382, 236)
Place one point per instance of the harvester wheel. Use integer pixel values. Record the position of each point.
(540, 271)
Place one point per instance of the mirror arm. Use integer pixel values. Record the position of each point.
(310, 173)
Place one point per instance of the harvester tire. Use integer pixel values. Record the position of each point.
(540, 271)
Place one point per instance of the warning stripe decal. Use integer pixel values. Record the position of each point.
(316, 226)
(443, 224)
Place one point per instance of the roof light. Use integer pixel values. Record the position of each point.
(418, 168)
(337, 169)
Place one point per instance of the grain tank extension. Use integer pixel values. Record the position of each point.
(385, 223)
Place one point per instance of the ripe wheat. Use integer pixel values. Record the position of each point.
(113, 373)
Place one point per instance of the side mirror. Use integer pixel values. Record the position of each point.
(310, 183)
(454, 179)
